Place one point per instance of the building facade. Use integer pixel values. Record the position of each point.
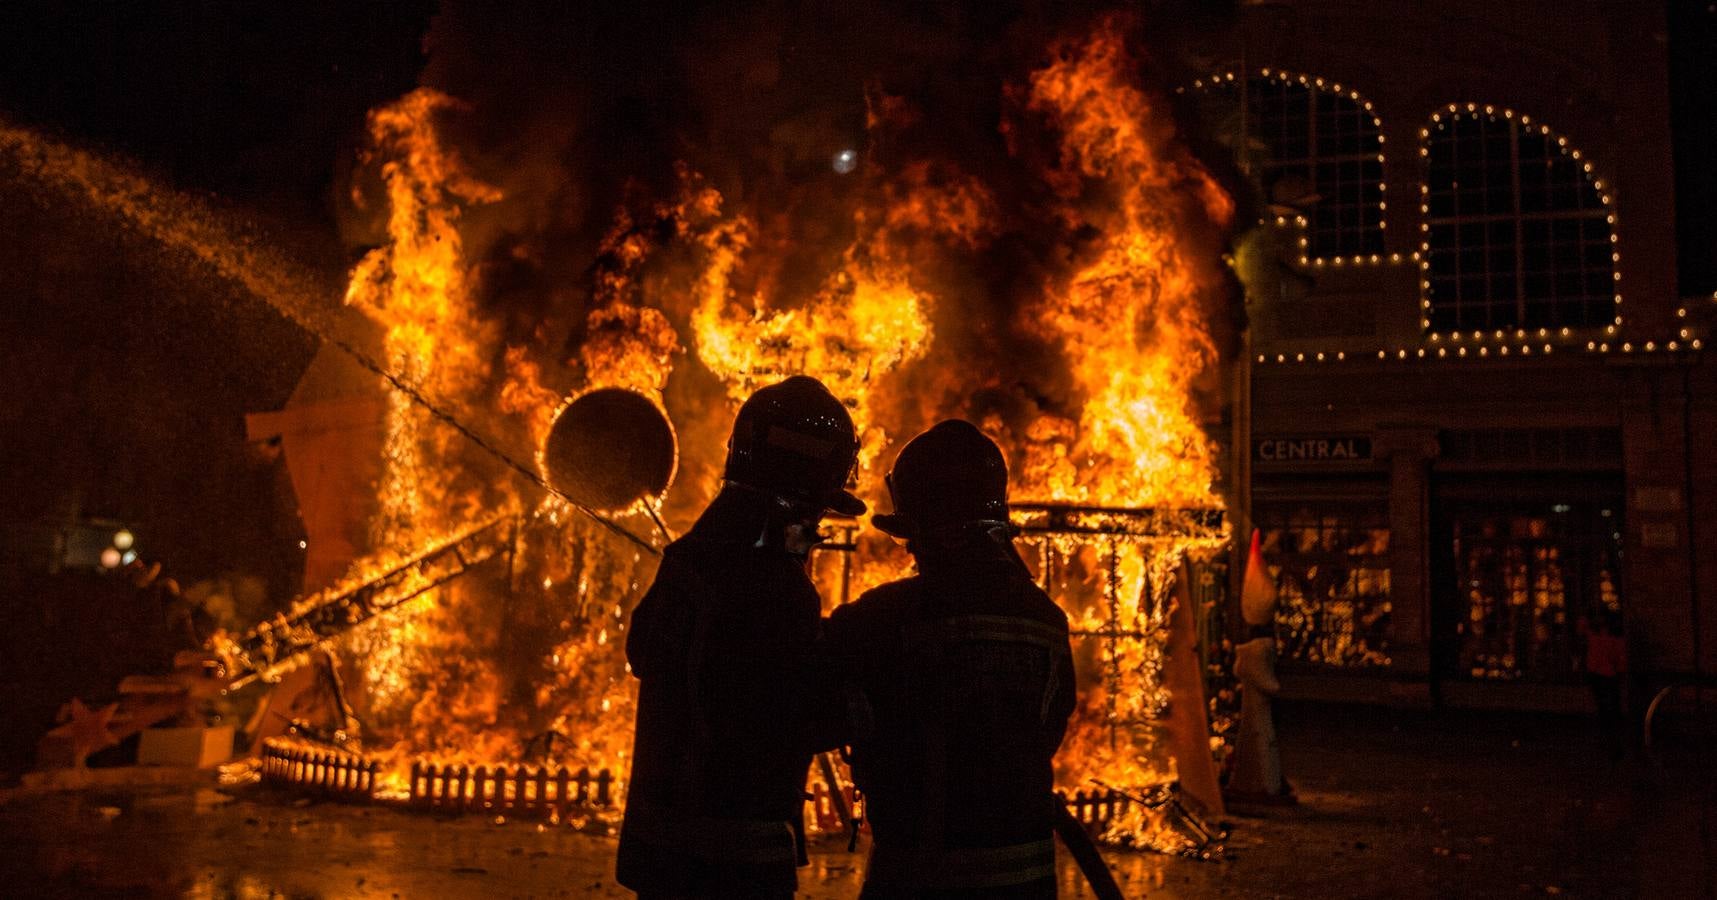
(1479, 408)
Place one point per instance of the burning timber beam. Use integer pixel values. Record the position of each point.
(1119, 522)
(280, 642)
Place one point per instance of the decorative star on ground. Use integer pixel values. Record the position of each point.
(86, 729)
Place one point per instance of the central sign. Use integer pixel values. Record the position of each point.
(1328, 448)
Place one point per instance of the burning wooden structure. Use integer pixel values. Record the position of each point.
(1099, 373)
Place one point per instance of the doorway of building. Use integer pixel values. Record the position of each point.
(1514, 576)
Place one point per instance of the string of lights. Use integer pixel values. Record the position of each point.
(1458, 344)
(1505, 344)
(1455, 112)
(1300, 223)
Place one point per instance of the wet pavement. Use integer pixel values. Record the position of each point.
(1393, 804)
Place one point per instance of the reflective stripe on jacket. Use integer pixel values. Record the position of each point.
(965, 675)
(742, 841)
(902, 868)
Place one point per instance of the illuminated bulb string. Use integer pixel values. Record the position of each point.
(1504, 343)
(182, 223)
(1363, 107)
(1525, 125)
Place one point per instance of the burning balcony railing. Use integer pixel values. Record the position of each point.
(1113, 571)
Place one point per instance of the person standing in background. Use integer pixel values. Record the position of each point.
(1256, 776)
(1606, 664)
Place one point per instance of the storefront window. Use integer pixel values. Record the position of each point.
(1330, 562)
(1523, 578)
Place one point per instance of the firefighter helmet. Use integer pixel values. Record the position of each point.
(947, 477)
(795, 440)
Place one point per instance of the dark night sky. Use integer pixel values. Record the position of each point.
(131, 373)
(250, 100)
(1693, 111)
(261, 104)
(126, 375)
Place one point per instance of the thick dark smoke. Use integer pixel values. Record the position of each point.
(577, 110)
(580, 113)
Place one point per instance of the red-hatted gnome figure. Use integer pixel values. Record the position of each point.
(963, 682)
(1257, 773)
(725, 645)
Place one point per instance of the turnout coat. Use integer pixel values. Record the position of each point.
(964, 684)
(725, 645)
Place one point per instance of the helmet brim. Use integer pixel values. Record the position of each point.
(843, 503)
(893, 524)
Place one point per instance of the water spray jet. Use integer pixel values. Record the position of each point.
(185, 224)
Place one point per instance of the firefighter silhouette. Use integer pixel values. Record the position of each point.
(725, 645)
(962, 680)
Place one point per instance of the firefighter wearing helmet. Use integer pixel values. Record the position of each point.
(962, 676)
(725, 645)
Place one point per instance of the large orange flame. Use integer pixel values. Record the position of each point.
(420, 671)
(1131, 319)
(1127, 315)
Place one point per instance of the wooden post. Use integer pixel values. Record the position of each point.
(561, 779)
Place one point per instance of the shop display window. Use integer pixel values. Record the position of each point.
(1330, 563)
(1524, 575)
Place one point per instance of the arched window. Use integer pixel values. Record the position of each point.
(1518, 231)
(1316, 148)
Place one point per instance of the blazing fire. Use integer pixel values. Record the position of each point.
(416, 287)
(1101, 417)
(1130, 320)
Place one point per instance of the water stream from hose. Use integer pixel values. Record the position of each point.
(219, 243)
